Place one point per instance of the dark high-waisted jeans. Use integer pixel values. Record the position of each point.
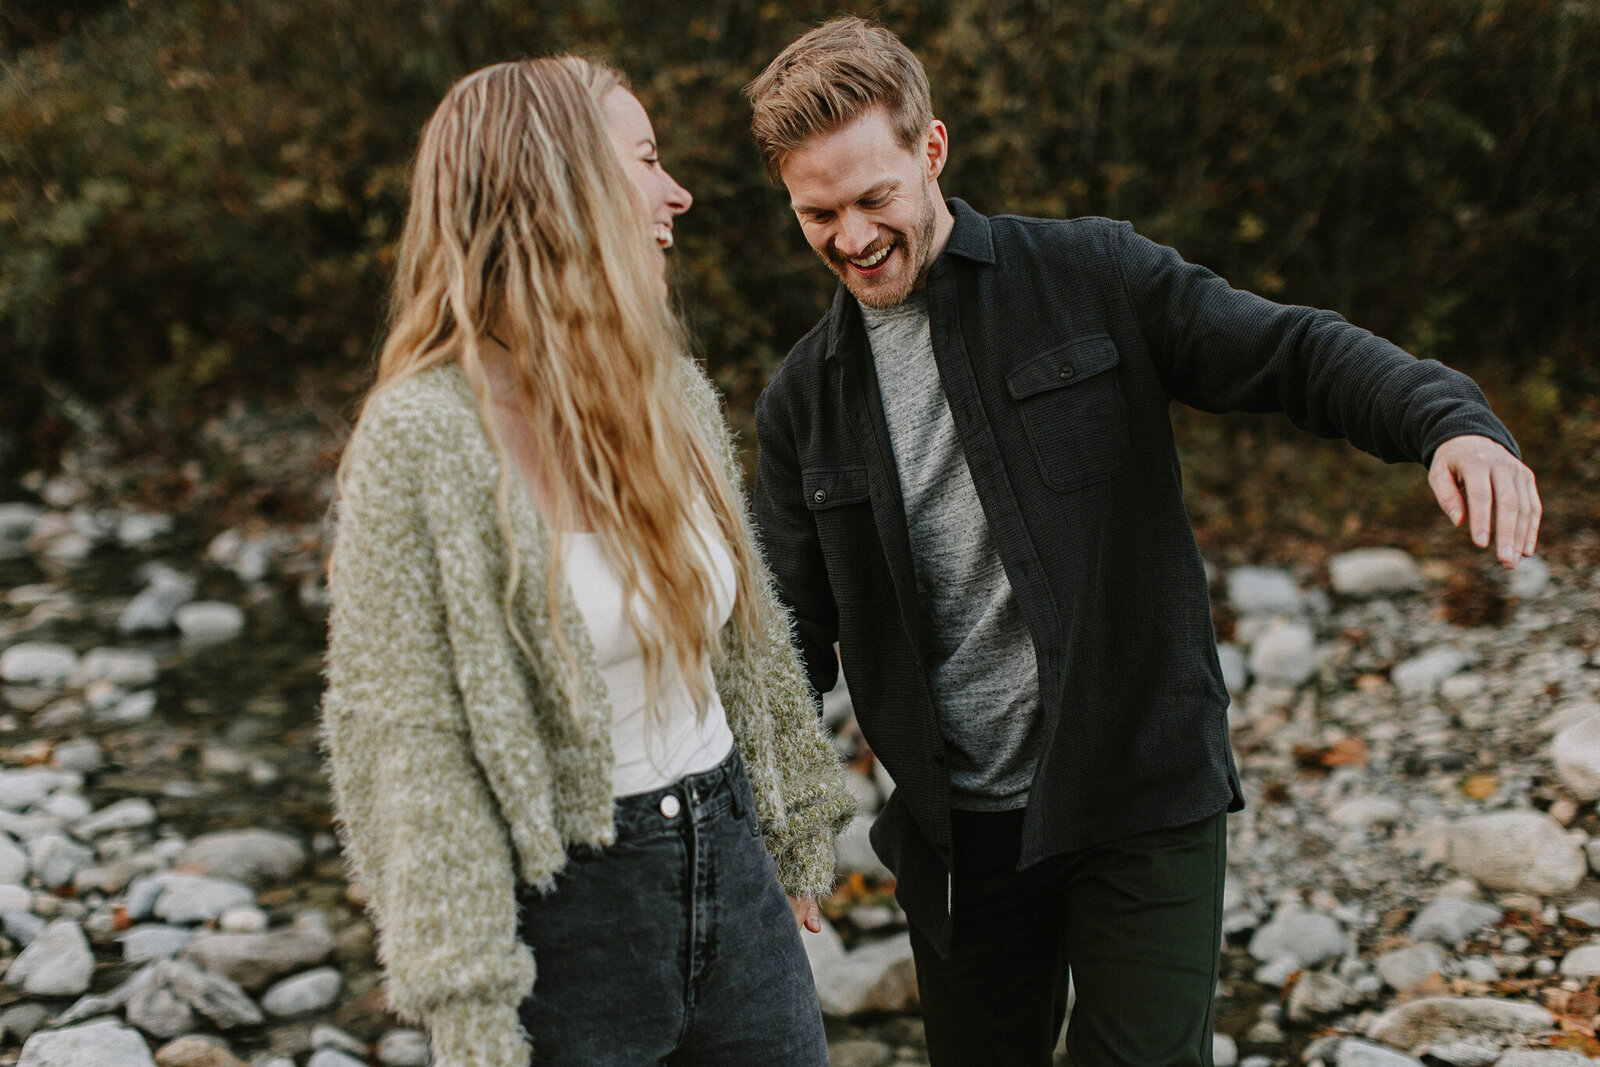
(674, 946)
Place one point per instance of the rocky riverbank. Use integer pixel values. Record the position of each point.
(1413, 877)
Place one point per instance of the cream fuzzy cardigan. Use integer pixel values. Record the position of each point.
(459, 767)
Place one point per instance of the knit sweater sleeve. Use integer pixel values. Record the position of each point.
(796, 775)
(418, 822)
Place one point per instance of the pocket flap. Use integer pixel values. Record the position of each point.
(1065, 364)
(834, 487)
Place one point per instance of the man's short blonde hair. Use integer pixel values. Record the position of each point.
(830, 76)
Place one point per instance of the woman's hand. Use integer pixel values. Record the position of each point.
(806, 913)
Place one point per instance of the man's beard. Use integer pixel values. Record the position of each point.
(891, 290)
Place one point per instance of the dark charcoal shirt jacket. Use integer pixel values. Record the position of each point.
(1059, 345)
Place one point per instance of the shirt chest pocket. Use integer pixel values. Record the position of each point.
(841, 505)
(1073, 413)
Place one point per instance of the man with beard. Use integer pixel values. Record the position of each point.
(967, 480)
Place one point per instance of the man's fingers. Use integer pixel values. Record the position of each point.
(1535, 515)
(1508, 529)
(1443, 481)
(1480, 504)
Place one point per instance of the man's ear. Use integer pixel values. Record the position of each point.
(936, 149)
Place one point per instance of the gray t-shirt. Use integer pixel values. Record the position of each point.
(985, 675)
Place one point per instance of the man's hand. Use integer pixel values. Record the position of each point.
(806, 913)
(1475, 479)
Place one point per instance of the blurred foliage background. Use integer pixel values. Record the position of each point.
(199, 198)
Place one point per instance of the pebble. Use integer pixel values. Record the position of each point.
(1367, 813)
(245, 919)
(154, 941)
(209, 621)
(1235, 667)
(304, 993)
(1575, 752)
(325, 1036)
(104, 1044)
(1416, 1024)
(138, 529)
(152, 610)
(21, 926)
(1306, 937)
(328, 1057)
(56, 963)
(1530, 579)
(1519, 850)
(1422, 674)
(1582, 962)
(859, 1052)
(1284, 654)
(1405, 969)
(1448, 920)
(55, 860)
(1264, 591)
(879, 977)
(126, 667)
(190, 898)
(17, 521)
(256, 960)
(1356, 1053)
(196, 1051)
(15, 897)
(1370, 572)
(135, 708)
(403, 1048)
(81, 755)
(254, 857)
(134, 813)
(43, 663)
(20, 1021)
(13, 863)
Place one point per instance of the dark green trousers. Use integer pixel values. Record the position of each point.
(1137, 923)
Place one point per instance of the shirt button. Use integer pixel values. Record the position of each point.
(820, 496)
(670, 806)
(1066, 372)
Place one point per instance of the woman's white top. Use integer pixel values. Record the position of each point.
(648, 757)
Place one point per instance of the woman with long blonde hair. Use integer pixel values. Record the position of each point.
(575, 764)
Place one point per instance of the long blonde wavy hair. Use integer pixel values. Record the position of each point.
(525, 229)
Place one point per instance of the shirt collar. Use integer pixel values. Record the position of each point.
(970, 238)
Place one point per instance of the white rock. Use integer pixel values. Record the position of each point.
(1307, 937)
(55, 859)
(1530, 579)
(1263, 591)
(877, 978)
(823, 947)
(1575, 751)
(15, 897)
(325, 1036)
(37, 663)
(81, 755)
(1448, 920)
(105, 1043)
(24, 788)
(1405, 969)
(58, 963)
(1224, 1053)
(1235, 667)
(152, 610)
(1568, 715)
(127, 667)
(17, 521)
(1364, 813)
(136, 708)
(1366, 572)
(246, 919)
(853, 852)
(209, 621)
(1543, 1057)
(1421, 674)
(404, 1048)
(1316, 994)
(1416, 1024)
(329, 1057)
(1463, 686)
(1284, 654)
(66, 807)
(154, 941)
(131, 814)
(188, 898)
(1586, 912)
(1582, 962)
(1525, 851)
(13, 863)
(255, 857)
(254, 960)
(140, 528)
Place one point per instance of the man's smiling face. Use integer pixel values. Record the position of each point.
(869, 206)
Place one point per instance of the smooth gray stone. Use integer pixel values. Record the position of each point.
(1307, 937)
(1235, 667)
(1416, 1024)
(256, 960)
(1525, 851)
(81, 755)
(403, 1048)
(25, 787)
(57, 963)
(303, 994)
(218, 999)
(104, 1044)
(325, 1036)
(129, 668)
(154, 941)
(55, 859)
(46, 663)
(1355, 1053)
(152, 610)
(191, 898)
(21, 926)
(327, 1057)
(1405, 969)
(1421, 674)
(1449, 920)
(1367, 572)
(209, 621)
(878, 977)
(254, 857)
(14, 865)
(134, 813)
(20, 1021)
(1264, 591)
(1285, 653)
(1530, 579)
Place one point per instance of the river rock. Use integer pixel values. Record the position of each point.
(136, 707)
(209, 621)
(43, 663)
(1316, 994)
(21, 927)
(244, 919)
(26, 787)
(1526, 851)
(1575, 751)
(14, 864)
(1584, 912)
(1370, 572)
(196, 1051)
(137, 529)
(191, 898)
(127, 667)
(403, 1048)
(325, 1036)
(1418, 1024)
(332, 1057)
(152, 610)
(218, 999)
(1235, 667)
(1530, 579)
(21, 1021)
(859, 1052)
(154, 941)
(1404, 969)
(1284, 653)
(256, 960)
(1263, 591)
(1448, 920)
(158, 1009)
(56, 963)
(1543, 1057)
(134, 813)
(55, 859)
(304, 993)
(1421, 674)
(17, 521)
(1582, 962)
(64, 807)
(1306, 937)
(878, 977)
(254, 857)
(15, 897)
(104, 1044)
(1367, 813)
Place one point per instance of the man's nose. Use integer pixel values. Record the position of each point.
(856, 234)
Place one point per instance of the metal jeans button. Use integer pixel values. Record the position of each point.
(670, 806)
